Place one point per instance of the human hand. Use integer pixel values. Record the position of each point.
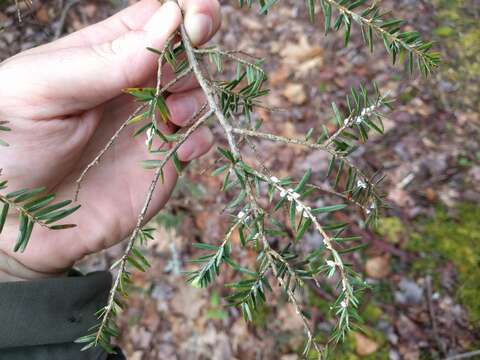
(64, 101)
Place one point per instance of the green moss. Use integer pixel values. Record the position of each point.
(453, 238)
(371, 314)
(444, 31)
(392, 229)
(216, 311)
(346, 350)
(408, 95)
(321, 304)
(261, 318)
(458, 36)
(323, 87)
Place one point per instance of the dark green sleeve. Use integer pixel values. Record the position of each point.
(41, 319)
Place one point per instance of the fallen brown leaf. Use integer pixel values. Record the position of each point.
(295, 93)
(364, 346)
(378, 267)
(300, 51)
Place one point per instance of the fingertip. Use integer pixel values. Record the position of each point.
(202, 19)
(199, 28)
(163, 23)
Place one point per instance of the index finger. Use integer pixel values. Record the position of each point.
(134, 18)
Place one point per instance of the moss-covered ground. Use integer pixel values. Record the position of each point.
(452, 236)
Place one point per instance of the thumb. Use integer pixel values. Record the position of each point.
(80, 78)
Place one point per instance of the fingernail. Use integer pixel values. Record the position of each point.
(183, 109)
(199, 27)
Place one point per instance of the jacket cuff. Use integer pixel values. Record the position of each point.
(50, 311)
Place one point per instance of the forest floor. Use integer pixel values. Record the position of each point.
(423, 260)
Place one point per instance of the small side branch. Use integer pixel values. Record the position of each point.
(107, 147)
(123, 263)
(230, 55)
(315, 146)
(291, 296)
(348, 122)
(141, 218)
(18, 208)
(208, 91)
(159, 91)
(281, 139)
(327, 240)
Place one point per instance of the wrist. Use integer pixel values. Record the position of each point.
(13, 270)
(45, 256)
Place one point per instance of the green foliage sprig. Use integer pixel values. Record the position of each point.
(102, 333)
(401, 45)
(34, 207)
